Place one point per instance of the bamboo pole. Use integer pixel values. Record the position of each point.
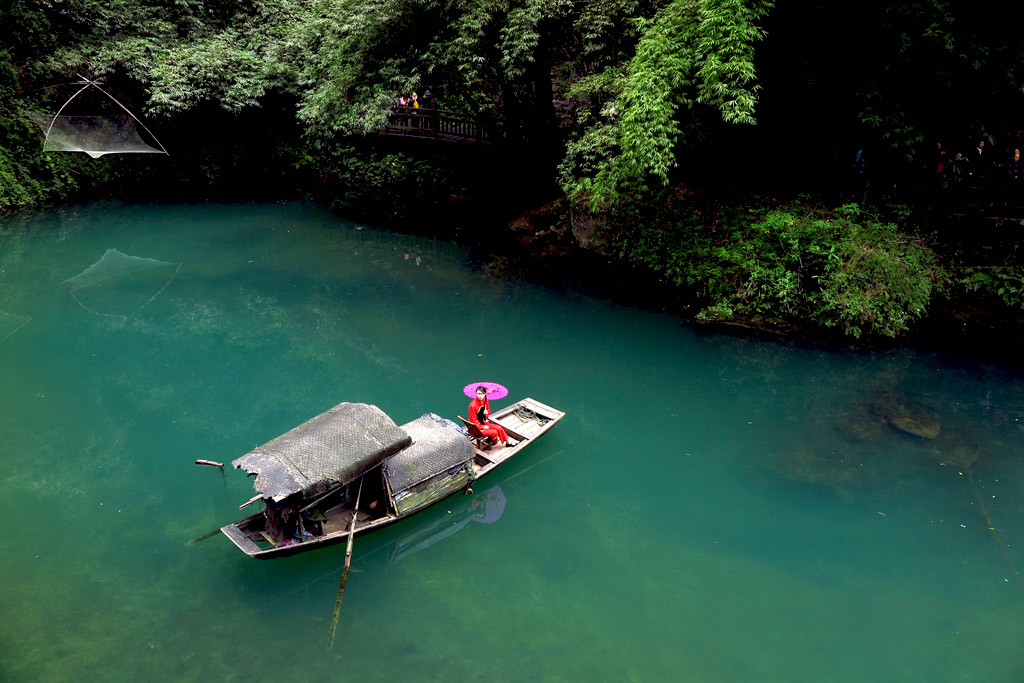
(344, 572)
(211, 463)
(208, 534)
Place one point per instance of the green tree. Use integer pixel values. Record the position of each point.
(790, 263)
(28, 33)
(691, 53)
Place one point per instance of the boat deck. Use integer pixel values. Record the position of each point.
(525, 421)
(339, 519)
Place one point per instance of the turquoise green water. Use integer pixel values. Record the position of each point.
(711, 509)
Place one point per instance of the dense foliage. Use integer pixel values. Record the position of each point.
(833, 268)
(617, 102)
(690, 53)
(27, 176)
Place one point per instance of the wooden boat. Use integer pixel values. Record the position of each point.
(352, 463)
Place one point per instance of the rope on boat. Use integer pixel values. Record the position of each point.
(524, 413)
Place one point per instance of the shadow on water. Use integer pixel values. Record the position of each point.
(381, 551)
(379, 554)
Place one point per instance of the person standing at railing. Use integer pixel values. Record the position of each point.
(402, 112)
(1015, 165)
(429, 111)
(415, 102)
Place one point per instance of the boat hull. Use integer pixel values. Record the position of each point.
(526, 420)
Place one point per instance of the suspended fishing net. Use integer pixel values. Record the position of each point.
(10, 323)
(115, 131)
(119, 285)
(94, 135)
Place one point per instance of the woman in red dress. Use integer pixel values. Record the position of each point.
(480, 415)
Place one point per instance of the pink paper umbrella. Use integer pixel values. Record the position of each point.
(494, 390)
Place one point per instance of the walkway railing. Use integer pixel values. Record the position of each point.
(437, 123)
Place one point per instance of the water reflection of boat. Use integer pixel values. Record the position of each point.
(487, 509)
(352, 470)
(427, 533)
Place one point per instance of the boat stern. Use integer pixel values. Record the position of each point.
(243, 542)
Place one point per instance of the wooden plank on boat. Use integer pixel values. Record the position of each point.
(241, 540)
(528, 428)
(513, 424)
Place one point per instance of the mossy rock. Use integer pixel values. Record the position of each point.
(896, 410)
(924, 427)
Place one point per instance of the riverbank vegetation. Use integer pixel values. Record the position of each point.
(834, 268)
(766, 171)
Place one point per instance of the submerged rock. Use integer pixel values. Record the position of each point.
(926, 428)
(896, 410)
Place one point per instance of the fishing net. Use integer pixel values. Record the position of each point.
(438, 445)
(111, 132)
(119, 285)
(524, 414)
(94, 135)
(11, 323)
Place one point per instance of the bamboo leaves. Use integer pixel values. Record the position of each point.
(691, 52)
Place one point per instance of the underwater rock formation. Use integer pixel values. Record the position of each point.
(896, 410)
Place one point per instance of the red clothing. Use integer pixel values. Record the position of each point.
(479, 411)
(480, 415)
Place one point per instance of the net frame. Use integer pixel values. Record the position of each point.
(116, 262)
(22, 319)
(86, 84)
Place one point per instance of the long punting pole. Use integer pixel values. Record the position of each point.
(208, 534)
(344, 572)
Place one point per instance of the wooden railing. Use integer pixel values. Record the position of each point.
(437, 123)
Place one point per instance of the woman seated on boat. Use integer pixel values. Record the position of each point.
(480, 415)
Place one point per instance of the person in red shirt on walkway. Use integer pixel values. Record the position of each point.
(480, 415)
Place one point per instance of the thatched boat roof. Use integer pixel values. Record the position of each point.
(338, 445)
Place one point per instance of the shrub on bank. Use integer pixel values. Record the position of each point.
(833, 268)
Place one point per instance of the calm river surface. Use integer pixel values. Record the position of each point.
(710, 509)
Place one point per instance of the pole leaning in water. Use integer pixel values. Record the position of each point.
(344, 572)
(214, 532)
